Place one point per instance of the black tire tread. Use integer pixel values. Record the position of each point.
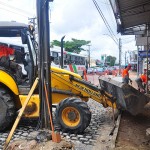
(85, 110)
(6, 97)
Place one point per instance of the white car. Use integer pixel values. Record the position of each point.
(90, 70)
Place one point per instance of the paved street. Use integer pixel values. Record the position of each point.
(99, 128)
(101, 124)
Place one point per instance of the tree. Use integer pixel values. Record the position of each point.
(110, 60)
(71, 46)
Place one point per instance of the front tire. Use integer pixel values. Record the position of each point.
(7, 109)
(73, 115)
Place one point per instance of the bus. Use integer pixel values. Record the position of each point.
(73, 62)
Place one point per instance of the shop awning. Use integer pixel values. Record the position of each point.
(131, 16)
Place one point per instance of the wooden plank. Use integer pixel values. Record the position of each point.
(20, 114)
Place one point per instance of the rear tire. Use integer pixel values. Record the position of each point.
(73, 115)
(7, 109)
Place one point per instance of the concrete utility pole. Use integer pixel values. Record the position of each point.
(147, 59)
(120, 51)
(89, 54)
(125, 57)
(44, 61)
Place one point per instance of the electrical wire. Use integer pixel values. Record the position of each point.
(110, 13)
(104, 3)
(14, 12)
(15, 8)
(105, 21)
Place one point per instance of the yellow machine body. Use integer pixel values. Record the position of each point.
(9, 82)
(62, 87)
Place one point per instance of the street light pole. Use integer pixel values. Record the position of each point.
(119, 45)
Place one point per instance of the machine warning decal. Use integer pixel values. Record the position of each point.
(88, 90)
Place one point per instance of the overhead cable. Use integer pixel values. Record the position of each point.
(14, 12)
(15, 8)
(106, 23)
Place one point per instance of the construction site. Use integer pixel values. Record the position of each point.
(50, 107)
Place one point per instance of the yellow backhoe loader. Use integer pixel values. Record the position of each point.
(69, 91)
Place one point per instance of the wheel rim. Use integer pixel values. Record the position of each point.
(71, 116)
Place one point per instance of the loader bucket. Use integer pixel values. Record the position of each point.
(127, 97)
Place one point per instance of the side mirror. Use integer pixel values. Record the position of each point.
(23, 37)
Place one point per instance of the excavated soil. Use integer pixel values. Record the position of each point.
(33, 145)
(132, 131)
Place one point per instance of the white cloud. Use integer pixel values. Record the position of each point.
(17, 10)
(73, 18)
(80, 19)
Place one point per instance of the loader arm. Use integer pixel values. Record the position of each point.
(82, 88)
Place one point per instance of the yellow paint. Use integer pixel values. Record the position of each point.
(60, 81)
(34, 102)
(56, 69)
(8, 81)
(68, 121)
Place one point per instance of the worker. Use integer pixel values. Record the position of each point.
(7, 56)
(141, 82)
(125, 75)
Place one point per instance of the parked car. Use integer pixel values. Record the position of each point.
(100, 71)
(90, 70)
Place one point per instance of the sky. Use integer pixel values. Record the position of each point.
(75, 19)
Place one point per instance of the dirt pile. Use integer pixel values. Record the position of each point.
(34, 145)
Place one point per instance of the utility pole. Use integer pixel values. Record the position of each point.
(120, 50)
(89, 54)
(125, 57)
(44, 62)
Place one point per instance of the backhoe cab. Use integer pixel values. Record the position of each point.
(10, 89)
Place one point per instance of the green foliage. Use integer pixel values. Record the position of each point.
(110, 60)
(55, 43)
(71, 46)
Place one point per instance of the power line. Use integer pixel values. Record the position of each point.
(14, 12)
(105, 21)
(110, 13)
(15, 8)
(104, 3)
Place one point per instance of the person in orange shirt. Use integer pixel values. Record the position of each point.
(141, 82)
(125, 75)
